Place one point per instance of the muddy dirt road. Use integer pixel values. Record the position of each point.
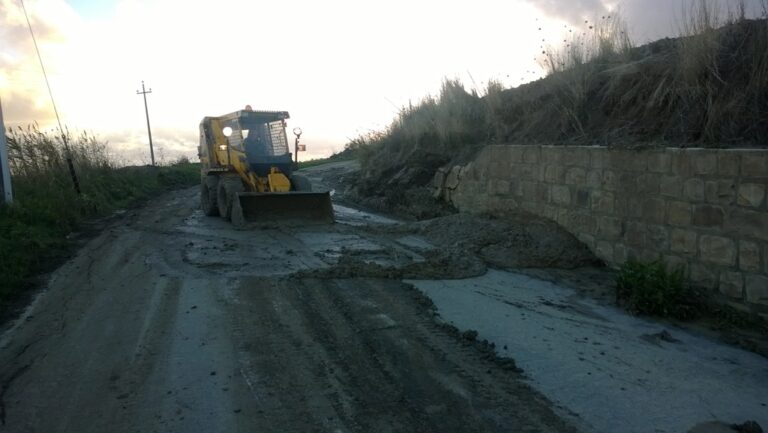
(169, 321)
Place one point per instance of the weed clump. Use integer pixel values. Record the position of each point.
(46, 208)
(655, 290)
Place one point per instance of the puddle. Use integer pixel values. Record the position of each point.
(598, 362)
(355, 217)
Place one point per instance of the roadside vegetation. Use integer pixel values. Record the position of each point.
(706, 88)
(655, 290)
(47, 209)
(345, 155)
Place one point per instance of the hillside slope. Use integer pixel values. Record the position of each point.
(705, 90)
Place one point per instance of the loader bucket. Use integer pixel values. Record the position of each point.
(276, 207)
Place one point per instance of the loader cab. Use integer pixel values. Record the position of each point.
(262, 138)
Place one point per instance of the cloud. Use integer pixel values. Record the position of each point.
(22, 84)
(572, 11)
(648, 19)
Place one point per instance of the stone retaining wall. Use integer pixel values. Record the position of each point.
(703, 208)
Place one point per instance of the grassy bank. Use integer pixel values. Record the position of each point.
(345, 155)
(46, 207)
(706, 88)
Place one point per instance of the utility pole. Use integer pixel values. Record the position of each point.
(5, 171)
(144, 92)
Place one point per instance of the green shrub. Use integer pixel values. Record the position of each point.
(653, 289)
(33, 231)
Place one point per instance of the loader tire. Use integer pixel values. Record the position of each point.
(227, 191)
(301, 183)
(208, 193)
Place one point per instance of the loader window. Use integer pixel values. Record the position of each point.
(264, 139)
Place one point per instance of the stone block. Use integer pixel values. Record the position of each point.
(438, 181)
(629, 160)
(749, 256)
(732, 284)
(675, 262)
(628, 182)
(633, 253)
(720, 191)
(693, 189)
(602, 201)
(754, 164)
(705, 162)
(679, 213)
(577, 221)
(728, 163)
(533, 207)
(717, 250)
(610, 180)
(683, 241)
(671, 186)
(704, 276)
(620, 254)
(587, 240)
(748, 224)
(542, 192)
(594, 179)
(452, 178)
(751, 194)
(549, 212)
(706, 215)
(552, 155)
(604, 251)
(516, 153)
(500, 187)
(765, 258)
(598, 157)
(609, 228)
(499, 169)
(528, 171)
(561, 195)
(648, 184)
(757, 289)
(576, 156)
(682, 162)
(634, 234)
(659, 162)
(575, 176)
(582, 198)
(531, 154)
(657, 238)
(647, 255)
(554, 174)
(528, 188)
(654, 210)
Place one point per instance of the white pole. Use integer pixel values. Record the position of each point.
(5, 171)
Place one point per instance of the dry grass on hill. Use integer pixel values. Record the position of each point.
(706, 88)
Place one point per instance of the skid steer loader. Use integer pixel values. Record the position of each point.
(247, 171)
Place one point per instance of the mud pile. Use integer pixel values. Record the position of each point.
(436, 264)
(513, 240)
(463, 246)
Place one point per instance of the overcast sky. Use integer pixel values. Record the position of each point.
(339, 67)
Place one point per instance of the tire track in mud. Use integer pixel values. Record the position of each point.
(366, 355)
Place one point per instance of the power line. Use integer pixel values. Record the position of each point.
(68, 155)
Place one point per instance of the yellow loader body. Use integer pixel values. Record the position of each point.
(247, 171)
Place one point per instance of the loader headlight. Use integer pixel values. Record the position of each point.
(227, 131)
(222, 147)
